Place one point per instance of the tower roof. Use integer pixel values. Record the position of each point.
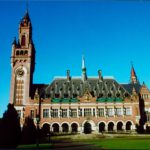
(133, 77)
(133, 74)
(26, 19)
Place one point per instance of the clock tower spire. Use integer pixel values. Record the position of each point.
(22, 63)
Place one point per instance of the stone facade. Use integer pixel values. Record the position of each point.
(74, 104)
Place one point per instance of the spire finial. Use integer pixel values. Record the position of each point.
(131, 63)
(27, 6)
(84, 76)
(83, 62)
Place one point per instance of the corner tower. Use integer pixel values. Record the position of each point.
(22, 63)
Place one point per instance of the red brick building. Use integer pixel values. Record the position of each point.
(74, 104)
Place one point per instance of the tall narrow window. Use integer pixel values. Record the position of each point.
(45, 113)
(32, 114)
(23, 40)
(74, 113)
(64, 113)
(101, 112)
(54, 113)
(110, 112)
(87, 112)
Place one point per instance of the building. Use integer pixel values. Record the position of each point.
(74, 104)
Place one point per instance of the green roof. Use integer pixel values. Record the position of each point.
(109, 100)
(64, 100)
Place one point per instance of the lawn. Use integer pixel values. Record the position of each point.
(34, 146)
(122, 142)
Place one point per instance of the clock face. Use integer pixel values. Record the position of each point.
(20, 72)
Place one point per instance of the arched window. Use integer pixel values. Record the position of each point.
(23, 40)
(17, 52)
(21, 52)
(25, 52)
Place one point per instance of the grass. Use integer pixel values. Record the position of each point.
(103, 142)
(45, 145)
(122, 143)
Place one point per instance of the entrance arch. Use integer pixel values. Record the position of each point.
(74, 127)
(55, 127)
(101, 127)
(45, 129)
(65, 127)
(87, 128)
(119, 126)
(128, 125)
(110, 126)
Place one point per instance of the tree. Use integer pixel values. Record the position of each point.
(28, 131)
(10, 130)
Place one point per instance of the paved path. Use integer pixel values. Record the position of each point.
(69, 145)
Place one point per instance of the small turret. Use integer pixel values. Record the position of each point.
(68, 75)
(100, 75)
(84, 76)
(14, 42)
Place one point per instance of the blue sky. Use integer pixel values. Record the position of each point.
(110, 34)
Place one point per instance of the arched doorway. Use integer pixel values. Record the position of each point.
(65, 127)
(87, 128)
(128, 125)
(55, 127)
(101, 127)
(74, 128)
(45, 129)
(110, 126)
(119, 126)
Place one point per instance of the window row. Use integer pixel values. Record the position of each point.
(86, 112)
(145, 96)
(21, 52)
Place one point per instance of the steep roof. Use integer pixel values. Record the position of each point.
(62, 88)
(129, 87)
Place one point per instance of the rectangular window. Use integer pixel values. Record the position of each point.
(87, 112)
(148, 116)
(19, 113)
(128, 111)
(74, 113)
(101, 112)
(64, 113)
(110, 112)
(54, 113)
(32, 113)
(93, 112)
(118, 111)
(45, 113)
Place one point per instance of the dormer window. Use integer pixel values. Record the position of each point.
(65, 95)
(109, 94)
(118, 94)
(100, 95)
(126, 94)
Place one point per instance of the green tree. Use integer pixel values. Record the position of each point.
(10, 130)
(28, 131)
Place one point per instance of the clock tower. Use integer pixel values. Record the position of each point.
(22, 64)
